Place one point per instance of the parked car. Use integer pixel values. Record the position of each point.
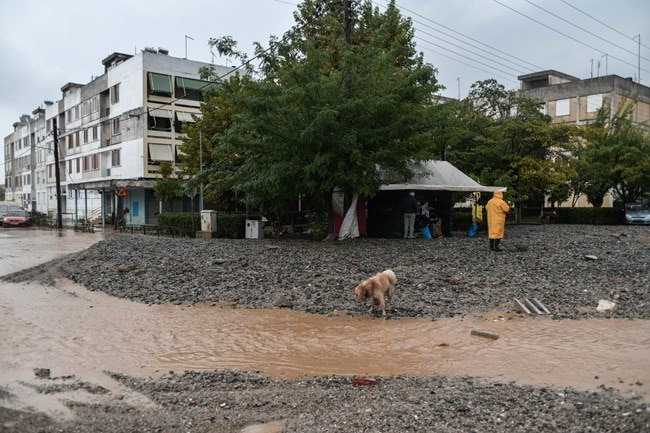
(6, 206)
(637, 213)
(16, 218)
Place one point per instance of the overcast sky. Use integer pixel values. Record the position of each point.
(45, 44)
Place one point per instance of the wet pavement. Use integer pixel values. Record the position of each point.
(73, 331)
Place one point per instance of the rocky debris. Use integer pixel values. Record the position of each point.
(448, 277)
(230, 401)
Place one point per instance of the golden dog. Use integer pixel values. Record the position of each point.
(379, 288)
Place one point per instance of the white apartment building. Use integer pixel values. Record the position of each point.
(113, 134)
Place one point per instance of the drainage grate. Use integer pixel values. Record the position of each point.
(531, 306)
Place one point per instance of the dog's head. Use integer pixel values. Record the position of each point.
(360, 292)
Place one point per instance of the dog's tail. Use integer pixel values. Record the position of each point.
(391, 276)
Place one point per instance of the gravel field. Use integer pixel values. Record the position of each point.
(569, 268)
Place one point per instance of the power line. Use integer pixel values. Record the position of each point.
(471, 45)
(464, 63)
(462, 55)
(565, 35)
(599, 21)
(584, 30)
(466, 36)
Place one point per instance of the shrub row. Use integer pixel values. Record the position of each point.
(590, 215)
(228, 225)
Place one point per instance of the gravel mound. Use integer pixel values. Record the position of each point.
(569, 268)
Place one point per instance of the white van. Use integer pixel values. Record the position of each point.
(6, 206)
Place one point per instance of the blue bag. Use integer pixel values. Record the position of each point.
(426, 233)
(472, 230)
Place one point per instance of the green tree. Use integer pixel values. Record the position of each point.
(335, 108)
(510, 142)
(167, 188)
(615, 156)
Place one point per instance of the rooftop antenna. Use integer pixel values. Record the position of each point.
(186, 38)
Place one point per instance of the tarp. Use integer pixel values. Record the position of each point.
(437, 176)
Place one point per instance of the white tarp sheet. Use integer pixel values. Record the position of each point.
(438, 176)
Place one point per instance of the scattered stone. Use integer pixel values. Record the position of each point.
(43, 373)
(485, 334)
(604, 305)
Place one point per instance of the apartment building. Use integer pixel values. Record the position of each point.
(567, 99)
(112, 135)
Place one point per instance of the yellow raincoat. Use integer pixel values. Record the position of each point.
(496, 215)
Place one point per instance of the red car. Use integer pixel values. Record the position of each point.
(16, 218)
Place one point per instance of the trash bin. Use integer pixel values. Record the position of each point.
(254, 229)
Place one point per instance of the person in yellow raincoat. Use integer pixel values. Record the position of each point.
(496, 219)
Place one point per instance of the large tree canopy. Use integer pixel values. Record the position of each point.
(343, 97)
(510, 142)
(615, 155)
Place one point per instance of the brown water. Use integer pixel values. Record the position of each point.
(73, 331)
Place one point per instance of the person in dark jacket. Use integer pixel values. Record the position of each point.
(410, 210)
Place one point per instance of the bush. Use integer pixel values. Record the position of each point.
(232, 226)
(591, 215)
(180, 223)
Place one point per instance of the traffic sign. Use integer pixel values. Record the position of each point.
(122, 192)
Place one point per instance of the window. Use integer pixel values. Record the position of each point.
(184, 117)
(95, 161)
(160, 120)
(188, 88)
(562, 107)
(160, 84)
(70, 167)
(115, 158)
(95, 133)
(594, 103)
(115, 94)
(78, 163)
(86, 136)
(160, 153)
(86, 163)
(115, 126)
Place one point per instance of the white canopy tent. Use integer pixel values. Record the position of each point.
(438, 176)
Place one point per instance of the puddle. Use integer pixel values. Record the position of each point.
(74, 331)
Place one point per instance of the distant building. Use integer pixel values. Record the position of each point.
(113, 134)
(567, 99)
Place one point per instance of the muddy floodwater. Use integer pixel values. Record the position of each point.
(71, 330)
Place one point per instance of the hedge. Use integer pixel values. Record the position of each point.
(591, 215)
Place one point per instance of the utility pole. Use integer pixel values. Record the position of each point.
(348, 21)
(59, 216)
(186, 38)
(201, 167)
(639, 59)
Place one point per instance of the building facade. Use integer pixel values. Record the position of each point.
(567, 99)
(112, 134)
